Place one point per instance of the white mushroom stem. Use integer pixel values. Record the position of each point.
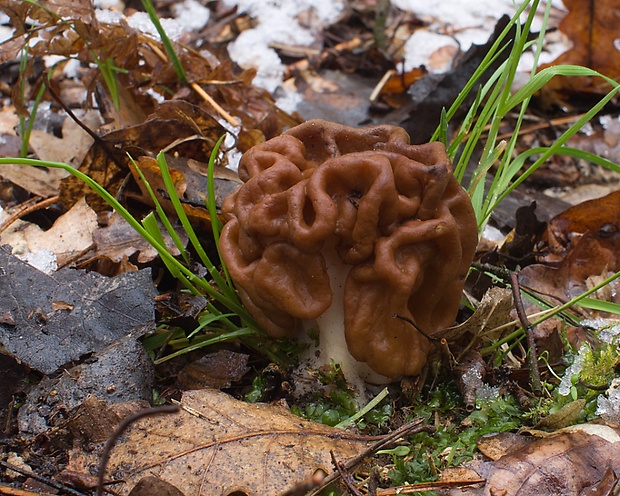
(330, 326)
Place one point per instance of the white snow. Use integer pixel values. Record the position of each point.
(190, 15)
(451, 23)
(278, 21)
(609, 407)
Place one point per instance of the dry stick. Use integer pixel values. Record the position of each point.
(198, 89)
(412, 427)
(345, 475)
(40, 478)
(105, 146)
(107, 450)
(529, 334)
(429, 486)
(27, 208)
(306, 485)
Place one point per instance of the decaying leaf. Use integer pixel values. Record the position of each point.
(492, 312)
(217, 445)
(580, 243)
(97, 311)
(70, 149)
(121, 373)
(190, 181)
(564, 417)
(71, 233)
(593, 29)
(571, 461)
(193, 130)
(118, 240)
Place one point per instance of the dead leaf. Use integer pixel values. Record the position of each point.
(190, 181)
(218, 445)
(71, 233)
(120, 373)
(118, 241)
(568, 462)
(214, 370)
(564, 417)
(599, 219)
(102, 310)
(492, 312)
(581, 245)
(592, 27)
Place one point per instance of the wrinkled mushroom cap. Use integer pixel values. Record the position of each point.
(398, 217)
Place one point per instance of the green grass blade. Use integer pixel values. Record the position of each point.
(228, 336)
(227, 293)
(150, 224)
(600, 305)
(216, 224)
(126, 215)
(168, 46)
(161, 213)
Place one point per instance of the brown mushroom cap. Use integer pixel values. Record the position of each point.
(398, 217)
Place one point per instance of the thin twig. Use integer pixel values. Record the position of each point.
(27, 208)
(308, 484)
(529, 334)
(409, 428)
(40, 478)
(198, 89)
(345, 475)
(107, 450)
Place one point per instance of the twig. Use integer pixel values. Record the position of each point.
(107, 450)
(412, 427)
(198, 89)
(428, 486)
(529, 334)
(40, 478)
(308, 484)
(27, 208)
(345, 475)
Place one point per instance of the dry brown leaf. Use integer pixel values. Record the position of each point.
(118, 241)
(224, 446)
(492, 312)
(571, 461)
(582, 245)
(592, 27)
(71, 233)
(190, 181)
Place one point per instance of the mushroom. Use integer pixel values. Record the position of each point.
(348, 229)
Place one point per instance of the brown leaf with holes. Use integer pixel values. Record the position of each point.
(218, 445)
(592, 27)
(573, 461)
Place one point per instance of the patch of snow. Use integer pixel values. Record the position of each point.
(609, 407)
(576, 367)
(108, 4)
(486, 392)
(607, 330)
(6, 32)
(277, 22)
(288, 99)
(420, 47)
(71, 67)
(108, 16)
(44, 260)
(158, 97)
(190, 15)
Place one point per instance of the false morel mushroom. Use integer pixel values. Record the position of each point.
(356, 232)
